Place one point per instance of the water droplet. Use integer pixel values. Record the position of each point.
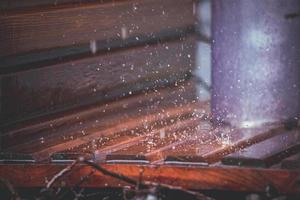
(124, 33)
(162, 133)
(93, 46)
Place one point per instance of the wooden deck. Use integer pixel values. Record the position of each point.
(165, 133)
(91, 78)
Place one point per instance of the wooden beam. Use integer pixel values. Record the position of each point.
(223, 178)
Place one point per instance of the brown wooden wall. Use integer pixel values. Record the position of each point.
(58, 55)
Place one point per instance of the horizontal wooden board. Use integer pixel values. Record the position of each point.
(98, 78)
(34, 30)
(152, 146)
(43, 58)
(268, 152)
(21, 4)
(197, 178)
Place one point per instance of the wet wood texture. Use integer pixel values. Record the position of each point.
(29, 4)
(45, 28)
(57, 56)
(151, 107)
(234, 179)
(112, 81)
(162, 126)
(268, 152)
(166, 132)
(100, 78)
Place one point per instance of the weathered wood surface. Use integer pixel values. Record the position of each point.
(234, 179)
(95, 79)
(45, 28)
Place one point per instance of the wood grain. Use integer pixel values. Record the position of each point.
(132, 124)
(267, 152)
(198, 178)
(99, 119)
(220, 142)
(45, 57)
(152, 146)
(20, 4)
(39, 29)
(95, 79)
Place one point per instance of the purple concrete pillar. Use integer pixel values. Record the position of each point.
(255, 61)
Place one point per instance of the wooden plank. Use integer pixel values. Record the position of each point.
(155, 141)
(268, 152)
(26, 31)
(101, 143)
(46, 57)
(292, 162)
(191, 151)
(133, 123)
(21, 4)
(220, 142)
(100, 78)
(198, 178)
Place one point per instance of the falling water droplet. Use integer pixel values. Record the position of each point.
(93, 46)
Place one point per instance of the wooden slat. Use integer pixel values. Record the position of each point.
(46, 57)
(220, 142)
(95, 79)
(191, 151)
(134, 123)
(73, 25)
(101, 143)
(292, 162)
(198, 178)
(156, 141)
(21, 4)
(268, 152)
